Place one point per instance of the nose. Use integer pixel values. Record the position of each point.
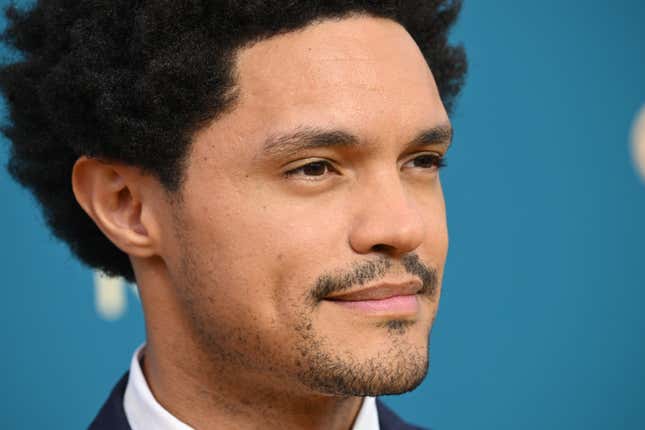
(387, 220)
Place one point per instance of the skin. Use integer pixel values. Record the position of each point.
(228, 268)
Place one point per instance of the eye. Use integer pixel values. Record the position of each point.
(313, 169)
(429, 161)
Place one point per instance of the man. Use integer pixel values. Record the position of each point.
(267, 173)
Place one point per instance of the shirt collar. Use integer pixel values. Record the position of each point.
(141, 408)
(145, 413)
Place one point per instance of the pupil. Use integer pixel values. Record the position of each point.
(314, 169)
(425, 161)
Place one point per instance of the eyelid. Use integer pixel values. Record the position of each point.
(292, 171)
(427, 152)
(438, 155)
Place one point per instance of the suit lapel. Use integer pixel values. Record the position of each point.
(112, 415)
(388, 420)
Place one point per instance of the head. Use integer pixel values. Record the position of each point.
(249, 169)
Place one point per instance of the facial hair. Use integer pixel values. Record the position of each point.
(400, 369)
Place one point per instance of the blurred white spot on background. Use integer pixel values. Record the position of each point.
(135, 289)
(638, 142)
(110, 297)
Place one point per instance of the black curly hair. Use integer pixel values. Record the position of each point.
(133, 80)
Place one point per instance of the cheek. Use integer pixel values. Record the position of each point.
(259, 252)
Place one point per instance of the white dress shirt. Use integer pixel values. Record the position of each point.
(145, 413)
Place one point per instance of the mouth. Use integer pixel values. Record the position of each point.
(407, 304)
(381, 299)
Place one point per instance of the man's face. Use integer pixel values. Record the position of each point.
(267, 228)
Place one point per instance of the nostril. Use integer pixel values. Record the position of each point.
(382, 248)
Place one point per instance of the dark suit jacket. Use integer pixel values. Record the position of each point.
(112, 415)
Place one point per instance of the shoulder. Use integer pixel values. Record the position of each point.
(112, 415)
(388, 420)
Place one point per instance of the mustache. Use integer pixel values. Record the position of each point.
(369, 271)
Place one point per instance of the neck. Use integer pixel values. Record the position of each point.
(229, 398)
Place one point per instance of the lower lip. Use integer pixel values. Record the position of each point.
(396, 304)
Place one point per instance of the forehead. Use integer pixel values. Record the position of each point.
(361, 73)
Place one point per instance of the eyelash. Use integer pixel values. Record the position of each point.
(438, 162)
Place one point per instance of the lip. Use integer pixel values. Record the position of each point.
(380, 291)
(400, 305)
(383, 298)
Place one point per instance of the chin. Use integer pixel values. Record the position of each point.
(398, 368)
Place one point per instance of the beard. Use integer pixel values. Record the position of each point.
(400, 368)
(324, 368)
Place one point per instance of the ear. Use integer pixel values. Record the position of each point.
(114, 196)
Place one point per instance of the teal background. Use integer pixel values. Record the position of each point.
(541, 323)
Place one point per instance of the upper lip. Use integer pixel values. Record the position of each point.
(380, 291)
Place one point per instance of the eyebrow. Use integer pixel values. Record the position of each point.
(311, 138)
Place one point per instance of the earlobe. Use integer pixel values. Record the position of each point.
(110, 195)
